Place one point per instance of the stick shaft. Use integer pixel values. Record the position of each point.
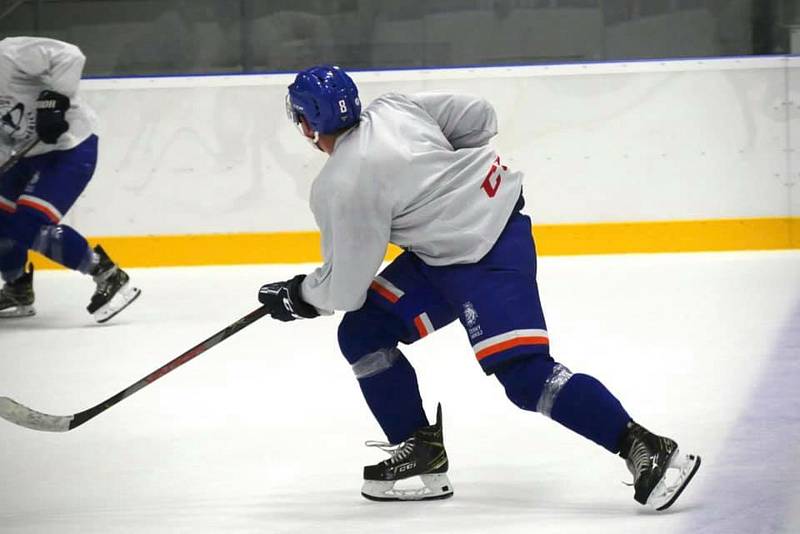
(190, 354)
(16, 156)
(21, 415)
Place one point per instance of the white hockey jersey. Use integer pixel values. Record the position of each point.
(29, 65)
(417, 171)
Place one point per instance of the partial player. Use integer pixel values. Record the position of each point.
(40, 108)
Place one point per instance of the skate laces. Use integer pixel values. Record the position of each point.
(108, 282)
(103, 277)
(397, 452)
(639, 460)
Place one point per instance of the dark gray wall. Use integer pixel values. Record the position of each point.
(123, 37)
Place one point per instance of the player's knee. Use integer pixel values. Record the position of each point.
(533, 383)
(24, 228)
(348, 337)
(367, 340)
(365, 331)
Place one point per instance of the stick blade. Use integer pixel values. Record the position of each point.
(16, 413)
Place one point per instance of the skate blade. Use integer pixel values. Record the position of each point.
(121, 300)
(679, 473)
(18, 312)
(435, 486)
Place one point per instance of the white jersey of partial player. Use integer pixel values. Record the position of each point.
(29, 65)
(417, 171)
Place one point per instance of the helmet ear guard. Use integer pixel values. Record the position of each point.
(326, 96)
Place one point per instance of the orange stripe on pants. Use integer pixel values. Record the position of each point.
(511, 343)
(423, 331)
(385, 293)
(40, 208)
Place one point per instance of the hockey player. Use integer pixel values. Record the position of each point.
(39, 104)
(417, 171)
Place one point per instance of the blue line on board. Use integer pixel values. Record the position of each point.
(447, 67)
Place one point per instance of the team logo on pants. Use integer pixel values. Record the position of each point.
(471, 320)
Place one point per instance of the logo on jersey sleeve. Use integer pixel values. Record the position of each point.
(15, 123)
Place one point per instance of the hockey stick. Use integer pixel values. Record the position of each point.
(17, 155)
(18, 414)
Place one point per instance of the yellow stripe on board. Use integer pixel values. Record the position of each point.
(668, 236)
(551, 240)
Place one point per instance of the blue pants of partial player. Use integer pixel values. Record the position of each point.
(35, 195)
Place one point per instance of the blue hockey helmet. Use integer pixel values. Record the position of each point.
(326, 96)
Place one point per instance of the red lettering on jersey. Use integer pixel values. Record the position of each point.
(493, 178)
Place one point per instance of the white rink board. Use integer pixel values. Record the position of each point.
(793, 134)
(696, 139)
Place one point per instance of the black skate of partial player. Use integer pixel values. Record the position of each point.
(421, 455)
(16, 298)
(114, 292)
(660, 471)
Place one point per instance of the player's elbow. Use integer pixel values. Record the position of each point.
(350, 303)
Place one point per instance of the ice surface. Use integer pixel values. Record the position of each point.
(264, 432)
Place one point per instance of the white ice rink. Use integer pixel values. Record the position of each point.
(264, 432)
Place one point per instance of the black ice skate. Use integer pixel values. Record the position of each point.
(660, 471)
(421, 455)
(114, 292)
(16, 298)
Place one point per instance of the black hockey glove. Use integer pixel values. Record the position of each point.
(50, 110)
(283, 300)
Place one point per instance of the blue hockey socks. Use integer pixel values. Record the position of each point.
(585, 406)
(27, 230)
(64, 245)
(577, 401)
(390, 387)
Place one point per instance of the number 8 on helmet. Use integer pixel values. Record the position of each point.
(326, 97)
